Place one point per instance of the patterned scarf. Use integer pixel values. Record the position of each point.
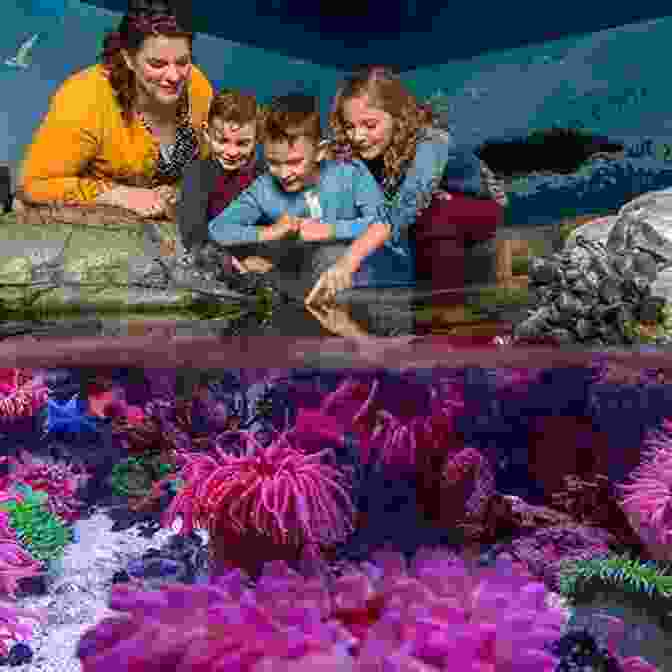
(184, 151)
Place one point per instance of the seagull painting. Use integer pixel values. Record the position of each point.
(23, 55)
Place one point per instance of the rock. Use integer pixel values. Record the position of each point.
(653, 209)
(19, 654)
(561, 446)
(594, 502)
(596, 283)
(510, 516)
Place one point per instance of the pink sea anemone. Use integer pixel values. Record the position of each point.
(400, 421)
(647, 498)
(289, 497)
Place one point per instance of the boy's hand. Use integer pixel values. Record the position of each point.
(315, 229)
(335, 279)
(280, 228)
(337, 320)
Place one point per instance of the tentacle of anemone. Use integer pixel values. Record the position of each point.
(287, 477)
(301, 508)
(239, 508)
(278, 517)
(283, 497)
(386, 434)
(369, 400)
(320, 509)
(330, 478)
(269, 489)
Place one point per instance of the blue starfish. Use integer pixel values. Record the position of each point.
(69, 418)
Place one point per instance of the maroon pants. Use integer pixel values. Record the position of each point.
(445, 232)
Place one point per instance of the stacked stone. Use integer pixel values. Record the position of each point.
(588, 294)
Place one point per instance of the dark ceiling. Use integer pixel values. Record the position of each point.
(405, 34)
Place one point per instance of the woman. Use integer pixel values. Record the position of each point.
(122, 132)
(436, 199)
(99, 180)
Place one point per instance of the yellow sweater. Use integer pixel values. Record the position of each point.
(84, 147)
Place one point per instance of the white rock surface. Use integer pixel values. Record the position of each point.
(656, 208)
(77, 598)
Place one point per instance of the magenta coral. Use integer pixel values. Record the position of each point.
(21, 393)
(544, 550)
(12, 629)
(437, 614)
(647, 498)
(279, 491)
(15, 564)
(59, 481)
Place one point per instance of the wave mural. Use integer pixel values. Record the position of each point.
(590, 82)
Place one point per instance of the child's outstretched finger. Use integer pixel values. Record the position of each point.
(316, 290)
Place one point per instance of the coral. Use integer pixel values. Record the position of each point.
(543, 551)
(109, 402)
(578, 650)
(622, 571)
(15, 562)
(511, 516)
(12, 628)
(42, 533)
(22, 393)
(647, 498)
(468, 483)
(59, 481)
(565, 445)
(154, 433)
(290, 497)
(135, 476)
(169, 425)
(595, 503)
(377, 615)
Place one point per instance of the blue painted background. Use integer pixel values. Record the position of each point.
(614, 83)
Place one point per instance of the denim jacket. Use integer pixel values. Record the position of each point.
(439, 164)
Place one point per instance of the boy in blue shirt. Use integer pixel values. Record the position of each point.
(335, 205)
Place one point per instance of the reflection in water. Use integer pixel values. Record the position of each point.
(364, 315)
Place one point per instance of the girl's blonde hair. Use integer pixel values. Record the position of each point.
(385, 91)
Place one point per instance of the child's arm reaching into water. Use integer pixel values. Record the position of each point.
(370, 232)
(340, 276)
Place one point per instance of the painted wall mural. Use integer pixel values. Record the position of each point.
(611, 84)
(44, 41)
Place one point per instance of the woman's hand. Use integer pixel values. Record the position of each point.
(280, 228)
(315, 229)
(335, 279)
(168, 196)
(256, 265)
(144, 202)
